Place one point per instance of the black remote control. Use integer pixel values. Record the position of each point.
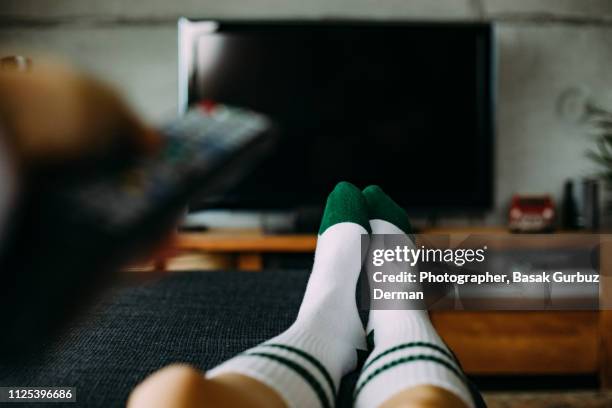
(204, 151)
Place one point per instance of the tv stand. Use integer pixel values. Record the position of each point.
(487, 343)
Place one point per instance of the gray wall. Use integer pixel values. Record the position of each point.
(544, 48)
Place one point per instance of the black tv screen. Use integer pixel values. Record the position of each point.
(406, 106)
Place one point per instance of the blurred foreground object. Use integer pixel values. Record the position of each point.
(72, 233)
(58, 127)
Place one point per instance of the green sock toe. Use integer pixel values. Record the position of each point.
(382, 207)
(345, 204)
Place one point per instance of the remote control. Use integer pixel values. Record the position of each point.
(68, 239)
(197, 148)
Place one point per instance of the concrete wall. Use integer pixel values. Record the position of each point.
(544, 46)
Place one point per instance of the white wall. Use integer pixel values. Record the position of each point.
(545, 47)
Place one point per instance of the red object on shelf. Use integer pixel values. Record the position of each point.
(531, 213)
(208, 105)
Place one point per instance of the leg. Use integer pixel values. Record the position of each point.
(302, 366)
(305, 363)
(410, 366)
(181, 386)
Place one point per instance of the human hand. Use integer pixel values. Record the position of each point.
(52, 114)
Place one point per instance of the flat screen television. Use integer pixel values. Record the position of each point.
(407, 106)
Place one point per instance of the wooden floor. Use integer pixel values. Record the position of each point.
(569, 399)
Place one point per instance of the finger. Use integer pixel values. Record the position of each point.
(115, 120)
(55, 114)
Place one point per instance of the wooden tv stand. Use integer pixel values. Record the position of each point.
(487, 343)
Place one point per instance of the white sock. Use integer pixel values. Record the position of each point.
(305, 364)
(408, 351)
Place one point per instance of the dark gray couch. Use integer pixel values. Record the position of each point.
(201, 318)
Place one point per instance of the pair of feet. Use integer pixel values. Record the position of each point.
(305, 364)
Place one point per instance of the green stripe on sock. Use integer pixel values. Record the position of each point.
(409, 345)
(311, 359)
(301, 371)
(406, 360)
